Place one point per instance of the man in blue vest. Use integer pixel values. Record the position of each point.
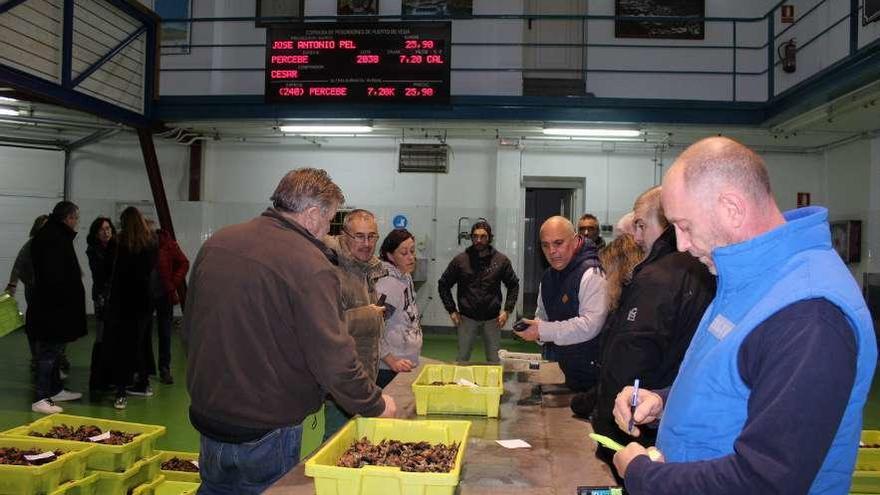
(571, 304)
(769, 396)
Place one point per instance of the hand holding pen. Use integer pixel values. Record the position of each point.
(634, 407)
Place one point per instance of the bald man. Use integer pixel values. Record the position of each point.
(571, 304)
(770, 394)
(624, 226)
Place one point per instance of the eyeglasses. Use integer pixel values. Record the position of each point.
(362, 238)
(479, 237)
(587, 228)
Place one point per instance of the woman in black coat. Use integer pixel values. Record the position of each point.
(129, 308)
(100, 251)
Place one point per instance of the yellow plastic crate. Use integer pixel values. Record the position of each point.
(869, 458)
(179, 475)
(142, 471)
(865, 482)
(82, 486)
(70, 465)
(105, 457)
(162, 486)
(383, 480)
(459, 399)
(10, 317)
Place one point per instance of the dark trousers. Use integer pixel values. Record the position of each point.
(578, 363)
(129, 348)
(164, 318)
(48, 372)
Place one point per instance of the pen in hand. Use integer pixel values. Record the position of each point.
(632, 406)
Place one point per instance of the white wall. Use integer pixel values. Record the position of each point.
(484, 179)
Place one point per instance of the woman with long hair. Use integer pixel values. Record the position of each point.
(101, 243)
(129, 309)
(619, 258)
(401, 344)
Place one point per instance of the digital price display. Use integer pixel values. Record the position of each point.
(362, 62)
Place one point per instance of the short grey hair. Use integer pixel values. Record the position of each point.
(358, 214)
(303, 188)
(714, 161)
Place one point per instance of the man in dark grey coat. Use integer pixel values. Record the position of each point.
(57, 313)
(479, 272)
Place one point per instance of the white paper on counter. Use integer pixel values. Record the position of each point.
(514, 444)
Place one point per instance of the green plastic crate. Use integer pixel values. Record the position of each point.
(869, 458)
(70, 465)
(865, 482)
(142, 471)
(83, 486)
(105, 457)
(162, 486)
(383, 480)
(483, 400)
(10, 317)
(179, 475)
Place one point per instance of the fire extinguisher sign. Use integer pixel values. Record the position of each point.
(787, 12)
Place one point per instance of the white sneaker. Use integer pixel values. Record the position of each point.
(45, 406)
(66, 395)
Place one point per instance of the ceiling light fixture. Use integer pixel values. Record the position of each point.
(325, 129)
(591, 133)
(9, 111)
(6, 99)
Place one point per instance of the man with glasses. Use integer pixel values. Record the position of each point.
(588, 226)
(359, 269)
(479, 272)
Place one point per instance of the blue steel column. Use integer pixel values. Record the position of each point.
(67, 44)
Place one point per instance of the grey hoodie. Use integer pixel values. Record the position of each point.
(403, 330)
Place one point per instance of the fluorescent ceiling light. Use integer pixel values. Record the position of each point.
(9, 111)
(326, 129)
(6, 99)
(594, 133)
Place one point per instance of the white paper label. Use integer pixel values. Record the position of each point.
(194, 463)
(37, 457)
(102, 436)
(466, 383)
(514, 444)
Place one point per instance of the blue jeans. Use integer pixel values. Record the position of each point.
(250, 467)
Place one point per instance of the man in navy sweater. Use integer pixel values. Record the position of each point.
(769, 396)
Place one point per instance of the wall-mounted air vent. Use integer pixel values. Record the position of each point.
(417, 157)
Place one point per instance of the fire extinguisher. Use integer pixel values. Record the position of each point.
(788, 54)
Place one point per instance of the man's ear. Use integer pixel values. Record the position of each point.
(732, 208)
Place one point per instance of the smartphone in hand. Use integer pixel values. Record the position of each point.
(381, 301)
(520, 326)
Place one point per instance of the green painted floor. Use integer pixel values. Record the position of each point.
(169, 404)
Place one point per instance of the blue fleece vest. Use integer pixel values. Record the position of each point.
(560, 289)
(707, 405)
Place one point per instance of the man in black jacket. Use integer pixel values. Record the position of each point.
(57, 312)
(479, 272)
(648, 334)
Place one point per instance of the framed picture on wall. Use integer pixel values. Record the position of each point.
(357, 7)
(672, 29)
(290, 9)
(175, 36)
(870, 11)
(438, 8)
(846, 237)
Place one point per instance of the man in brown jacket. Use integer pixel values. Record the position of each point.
(265, 335)
(359, 269)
